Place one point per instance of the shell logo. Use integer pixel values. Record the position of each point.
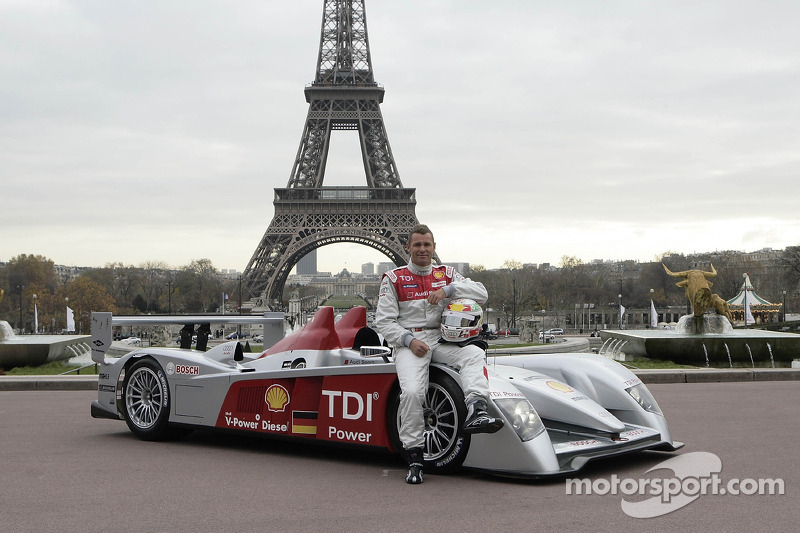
(276, 398)
(459, 307)
(556, 385)
(438, 274)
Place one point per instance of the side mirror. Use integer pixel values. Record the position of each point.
(376, 351)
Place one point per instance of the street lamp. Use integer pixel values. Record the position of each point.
(620, 310)
(653, 323)
(66, 313)
(784, 306)
(543, 311)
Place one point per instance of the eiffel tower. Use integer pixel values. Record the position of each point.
(343, 96)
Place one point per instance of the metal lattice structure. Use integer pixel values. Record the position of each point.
(343, 96)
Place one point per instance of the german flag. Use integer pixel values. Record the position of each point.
(304, 422)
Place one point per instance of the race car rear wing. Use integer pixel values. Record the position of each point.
(103, 323)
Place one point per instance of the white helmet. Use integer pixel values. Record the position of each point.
(461, 320)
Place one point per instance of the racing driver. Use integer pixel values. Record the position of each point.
(409, 316)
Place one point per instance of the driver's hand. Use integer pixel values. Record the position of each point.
(418, 348)
(436, 296)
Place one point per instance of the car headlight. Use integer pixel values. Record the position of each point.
(644, 398)
(522, 417)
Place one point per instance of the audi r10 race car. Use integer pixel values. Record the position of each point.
(334, 382)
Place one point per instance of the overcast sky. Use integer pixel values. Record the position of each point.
(143, 130)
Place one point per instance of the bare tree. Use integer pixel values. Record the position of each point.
(153, 278)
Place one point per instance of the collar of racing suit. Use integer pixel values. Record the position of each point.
(418, 270)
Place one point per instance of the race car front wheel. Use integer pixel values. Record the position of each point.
(444, 412)
(146, 400)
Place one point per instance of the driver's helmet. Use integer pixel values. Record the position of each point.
(461, 320)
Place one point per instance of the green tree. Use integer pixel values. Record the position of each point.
(22, 277)
(86, 296)
(31, 270)
(120, 281)
(200, 285)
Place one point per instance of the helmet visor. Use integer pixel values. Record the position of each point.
(460, 320)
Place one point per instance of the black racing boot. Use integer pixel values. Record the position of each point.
(479, 421)
(414, 475)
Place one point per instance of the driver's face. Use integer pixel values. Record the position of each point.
(421, 247)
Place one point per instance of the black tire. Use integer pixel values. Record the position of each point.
(446, 445)
(146, 400)
(299, 363)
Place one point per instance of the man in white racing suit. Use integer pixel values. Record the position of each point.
(409, 316)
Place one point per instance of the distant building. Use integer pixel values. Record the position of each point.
(307, 266)
(345, 284)
(461, 267)
(229, 273)
(66, 274)
(368, 268)
(299, 279)
(385, 266)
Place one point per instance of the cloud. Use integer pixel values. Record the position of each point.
(152, 131)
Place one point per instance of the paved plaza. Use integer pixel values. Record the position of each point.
(66, 472)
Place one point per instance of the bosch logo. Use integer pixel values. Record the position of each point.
(188, 370)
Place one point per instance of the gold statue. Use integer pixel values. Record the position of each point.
(698, 291)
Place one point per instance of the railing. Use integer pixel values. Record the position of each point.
(347, 194)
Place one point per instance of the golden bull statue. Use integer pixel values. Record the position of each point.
(698, 291)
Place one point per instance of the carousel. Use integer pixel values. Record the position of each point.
(761, 310)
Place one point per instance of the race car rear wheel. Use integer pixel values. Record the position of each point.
(146, 400)
(444, 412)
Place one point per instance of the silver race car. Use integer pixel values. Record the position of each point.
(334, 382)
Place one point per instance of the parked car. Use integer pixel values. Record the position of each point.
(236, 335)
(194, 340)
(506, 332)
(258, 338)
(555, 331)
(546, 337)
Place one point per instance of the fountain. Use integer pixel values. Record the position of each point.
(745, 346)
(35, 350)
(707, 335)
